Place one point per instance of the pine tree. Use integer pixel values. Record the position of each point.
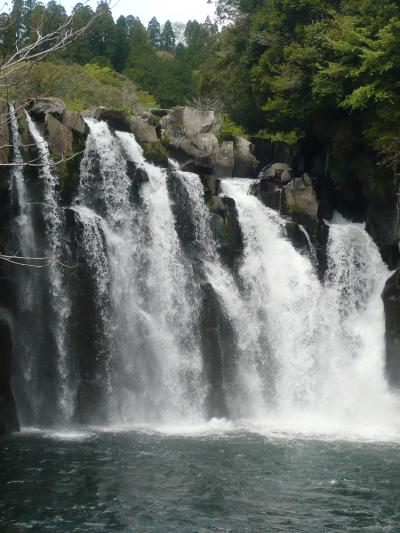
(168, 38)
(154, 32)
(103, 38)
(121, 44)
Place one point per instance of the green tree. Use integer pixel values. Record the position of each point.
(154, 32)
(121, 52)
(167, 41)
(81, 51)
(103, 36)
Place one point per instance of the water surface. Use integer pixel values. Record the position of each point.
(144, 481)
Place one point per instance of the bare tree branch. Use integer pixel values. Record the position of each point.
(32, 163)
(21, 261)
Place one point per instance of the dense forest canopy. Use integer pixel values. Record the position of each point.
(279, 68)
(294, 65)
(160, 59)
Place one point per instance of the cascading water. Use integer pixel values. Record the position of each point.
(290, 352)
(321, 364)
(24, 218)
(151, 352)
(58, 297)
(244, 349)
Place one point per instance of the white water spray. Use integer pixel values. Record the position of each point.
(153, 344)
(59, 298)
(321, 362)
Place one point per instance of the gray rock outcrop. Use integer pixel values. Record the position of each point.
(190, 131)
(59, 137)
(225, 160)
(73, 120)
(47, 106)
(245, 161)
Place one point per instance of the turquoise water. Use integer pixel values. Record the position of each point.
(137, 481)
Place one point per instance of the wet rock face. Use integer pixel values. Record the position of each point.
(217, 347)
(295, 198)
(4, 134)
(8, 411)
(226, 228)
(391, 300)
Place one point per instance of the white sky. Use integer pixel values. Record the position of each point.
(174, 10)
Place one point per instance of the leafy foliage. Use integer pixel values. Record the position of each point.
(82, 87)
(281, 66)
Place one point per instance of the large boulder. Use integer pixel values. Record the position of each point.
(202, 149)
(391, 299)
(59, 137)
(144, 132)
(47, 106)
(187, 122)
(120, 120)
(73, 120)
(225, 161)
(190, 131)
(245, 161)
(115, 118)
(300, 198)
(8, 411)
(275, 171)
(268, 192)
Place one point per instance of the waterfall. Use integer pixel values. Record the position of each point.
(59, 299)
(321, 362)
(151, 351)
(154, 329)
(20, 194)
(243, 384)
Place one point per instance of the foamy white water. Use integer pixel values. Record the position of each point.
(154, 362)
(59, 298)
(321, 362)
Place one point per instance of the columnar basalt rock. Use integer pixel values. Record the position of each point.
(391, 299)
(8, 411)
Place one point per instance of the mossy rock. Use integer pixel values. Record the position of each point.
(156, 153)
(69, 171)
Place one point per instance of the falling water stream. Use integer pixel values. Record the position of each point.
(320, 363)
(59, 298)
